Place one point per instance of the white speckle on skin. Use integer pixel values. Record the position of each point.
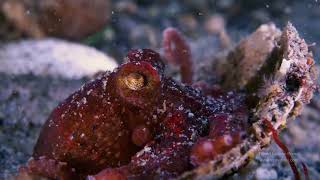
(71, 137)
(147, 149)
(89, 92)
(104, 84)
(164, 107)
(84, 100)
(142, 162)
(190, 115)
(120, 134)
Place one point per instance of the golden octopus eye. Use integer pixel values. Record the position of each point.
(135, 81)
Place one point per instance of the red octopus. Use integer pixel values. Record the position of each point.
(136, 123)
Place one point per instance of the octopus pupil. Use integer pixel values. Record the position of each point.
(135, 81)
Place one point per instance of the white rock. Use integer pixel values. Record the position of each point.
(53, 57)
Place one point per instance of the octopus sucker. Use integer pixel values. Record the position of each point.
(138, 123)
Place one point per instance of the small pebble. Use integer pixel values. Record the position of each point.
(264, 173)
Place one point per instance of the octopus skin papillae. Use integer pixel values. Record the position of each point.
(136, 123)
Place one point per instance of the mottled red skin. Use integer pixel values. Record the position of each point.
(91, 131)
